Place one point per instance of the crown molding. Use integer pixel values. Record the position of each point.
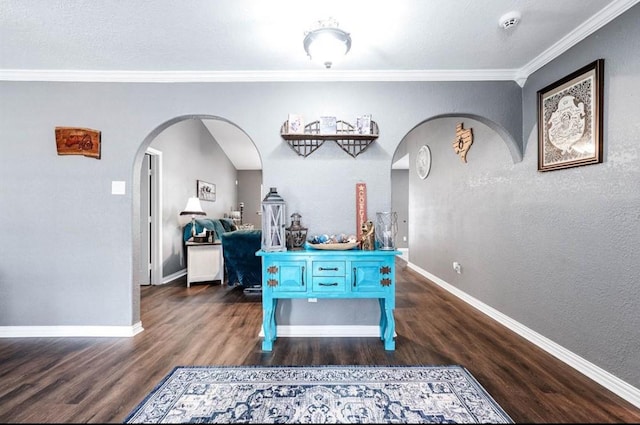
(252, 76)
(588, 27)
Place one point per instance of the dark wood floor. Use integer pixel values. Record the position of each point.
(98, 380)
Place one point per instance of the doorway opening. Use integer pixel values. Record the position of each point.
(151, 218)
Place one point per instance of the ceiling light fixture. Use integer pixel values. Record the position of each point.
(327, 42)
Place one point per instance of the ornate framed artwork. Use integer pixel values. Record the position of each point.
(206, 191)
(570, 119)
(423, 162)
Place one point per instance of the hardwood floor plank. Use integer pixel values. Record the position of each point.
(100, 380)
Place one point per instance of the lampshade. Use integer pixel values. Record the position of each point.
(327, 43)
(193, 207)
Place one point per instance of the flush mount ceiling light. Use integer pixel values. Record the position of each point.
(327, 43)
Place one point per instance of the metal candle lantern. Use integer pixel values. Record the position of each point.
(273, 222)
(386, 230)
(296, 233)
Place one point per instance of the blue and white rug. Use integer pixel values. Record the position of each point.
(319, 394)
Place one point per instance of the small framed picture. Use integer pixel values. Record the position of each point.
(328, 125)
(295, 124)
(206, 191)
(570, 119)
(363, 124)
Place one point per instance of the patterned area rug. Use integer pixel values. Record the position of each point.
(319, 394)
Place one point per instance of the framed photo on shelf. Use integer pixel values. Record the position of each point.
(328, 125)
(570, 119)
(295, 124)
(363, 124)
(206, 191)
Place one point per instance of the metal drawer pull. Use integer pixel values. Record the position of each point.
(354, 277)
(322, 269)
(302, 275)
(329, 284)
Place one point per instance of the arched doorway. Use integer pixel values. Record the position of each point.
(409, 187)
(192, 148)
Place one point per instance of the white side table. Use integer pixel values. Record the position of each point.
(204, 262)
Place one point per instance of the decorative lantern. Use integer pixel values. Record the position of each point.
(273, 222)
(296, 234)
(386, 229)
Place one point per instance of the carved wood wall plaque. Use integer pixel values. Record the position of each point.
(78, 141)
(463, 141)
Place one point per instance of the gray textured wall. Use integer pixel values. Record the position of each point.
(556, 251)
(585, 222)
(563, 244)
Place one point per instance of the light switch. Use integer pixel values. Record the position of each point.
(118, 188)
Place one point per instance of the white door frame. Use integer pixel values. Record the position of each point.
(156, 214)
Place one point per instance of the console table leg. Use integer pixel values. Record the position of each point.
(389, 343)
(274, 328)
(383, 318)
(269, 324)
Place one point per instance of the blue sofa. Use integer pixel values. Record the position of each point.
(219, 225)
(242, 266)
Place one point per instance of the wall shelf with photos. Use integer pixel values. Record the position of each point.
(346, 136)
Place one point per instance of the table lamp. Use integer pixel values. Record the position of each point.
(193, 208)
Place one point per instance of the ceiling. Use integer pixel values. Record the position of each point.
(235, 143)
(258, 40)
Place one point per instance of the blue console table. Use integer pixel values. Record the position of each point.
(313, 273)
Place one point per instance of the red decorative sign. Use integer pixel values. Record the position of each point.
(361, 208)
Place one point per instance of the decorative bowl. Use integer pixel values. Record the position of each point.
(341, 246)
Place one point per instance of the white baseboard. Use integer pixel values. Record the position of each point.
(311, 331)
(601, 376)
(69, 331)
(174, 276)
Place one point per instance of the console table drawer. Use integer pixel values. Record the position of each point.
(329, 284)
(328, 268)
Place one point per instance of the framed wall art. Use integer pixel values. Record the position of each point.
(206, 191)
(570, 119)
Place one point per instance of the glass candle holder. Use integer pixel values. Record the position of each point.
(386, 230)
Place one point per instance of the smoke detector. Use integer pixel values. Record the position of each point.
(509, 20)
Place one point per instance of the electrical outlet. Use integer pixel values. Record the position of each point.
(312, 300)
(404, 239)
(457, 267)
